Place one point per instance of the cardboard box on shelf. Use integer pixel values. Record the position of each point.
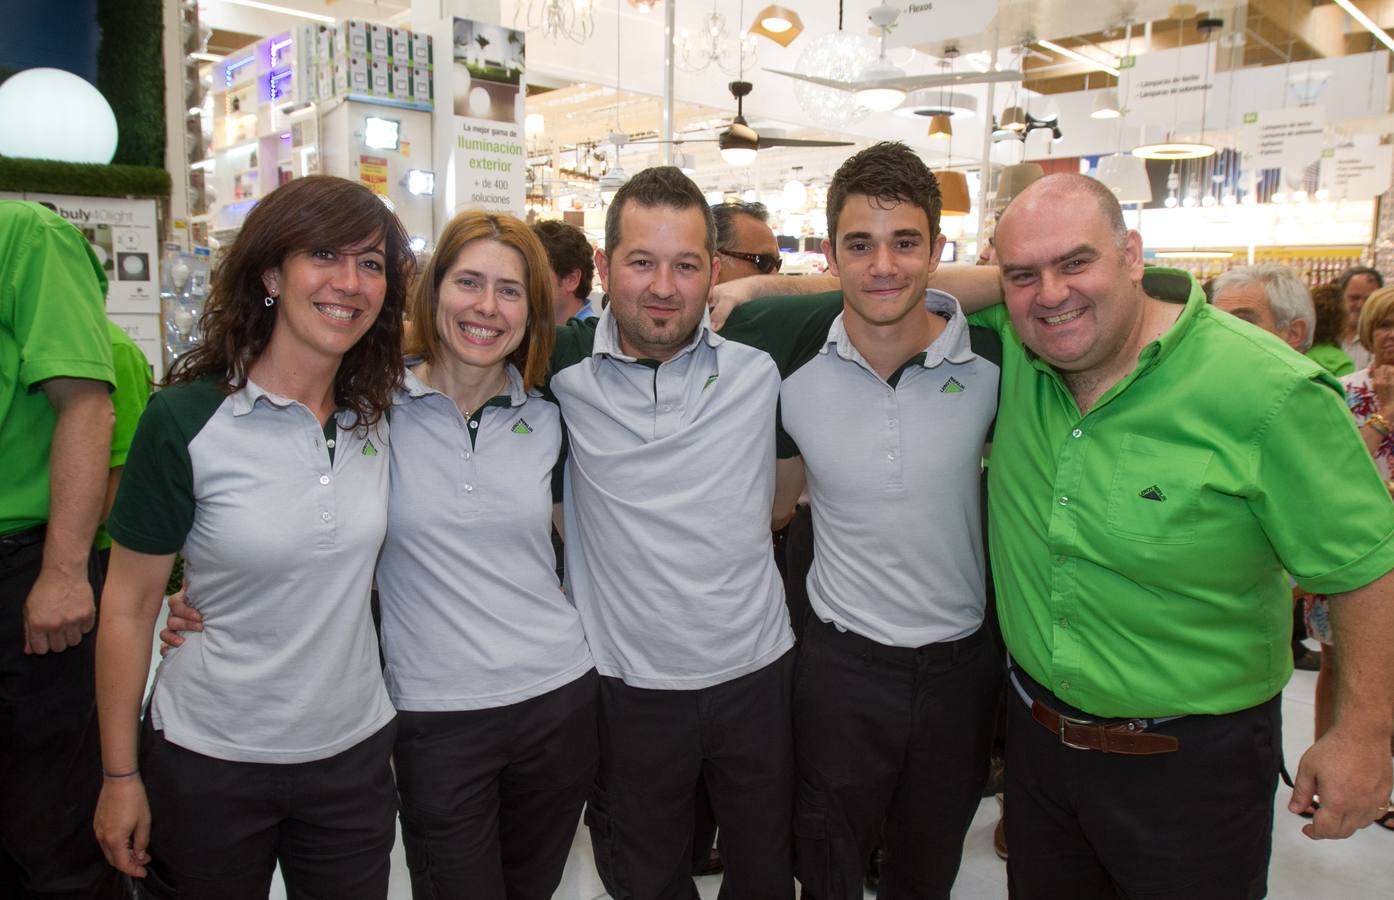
(420, 48)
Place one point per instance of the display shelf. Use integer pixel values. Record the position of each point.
(393, 102)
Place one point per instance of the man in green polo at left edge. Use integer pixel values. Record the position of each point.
(1157, 467)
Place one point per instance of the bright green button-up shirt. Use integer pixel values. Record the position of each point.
(1139, 550)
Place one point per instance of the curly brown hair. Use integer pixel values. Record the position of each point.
(317, 212)
(1330, 305)
(888, 172)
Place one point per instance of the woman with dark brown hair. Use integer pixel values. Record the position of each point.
(1330, 308)
(486, 660)
(265, 462)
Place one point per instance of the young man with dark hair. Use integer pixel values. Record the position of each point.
(888, 397)
(572, 261)
(668, 493)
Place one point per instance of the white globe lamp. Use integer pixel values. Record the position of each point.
(53, 114)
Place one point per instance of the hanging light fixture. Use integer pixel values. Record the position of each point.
(713, 43)
(839, 55)
(1014, 180)
(1106, 105)
(1013, 119)
(779, 24)
(1172, 149)
(953, 191)
(643, 6)
(881, 98)
(570, 19)
(940, 126)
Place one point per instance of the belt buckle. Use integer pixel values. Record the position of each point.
(1066, 720)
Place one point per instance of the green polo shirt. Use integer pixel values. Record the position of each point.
(1139, 550)
(52, 325)
(1331, 358)
(129, 400)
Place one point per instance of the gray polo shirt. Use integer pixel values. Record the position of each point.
(669, 487)
(893, 466)
(280, 542)
(472, 614)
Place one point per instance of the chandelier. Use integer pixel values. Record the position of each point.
(571, 19)
(713, 43)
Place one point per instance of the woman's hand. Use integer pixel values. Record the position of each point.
(122, 824)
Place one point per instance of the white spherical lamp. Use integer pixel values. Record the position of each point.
(53, 114)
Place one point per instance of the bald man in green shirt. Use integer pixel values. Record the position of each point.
(1157, 467)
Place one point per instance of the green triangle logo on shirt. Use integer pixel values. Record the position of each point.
(1152, 493)
(711, 380)
(952, 386)
(521, 427)
(369, 449)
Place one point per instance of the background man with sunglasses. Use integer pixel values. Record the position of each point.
(745, 241)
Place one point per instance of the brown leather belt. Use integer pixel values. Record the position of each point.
(1130, 738)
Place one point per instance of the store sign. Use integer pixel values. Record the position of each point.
(122, 234)
(372, 173)
(1285, 138)
(490, 151)
(1166, 89)
(1358, 173)
(926, 21)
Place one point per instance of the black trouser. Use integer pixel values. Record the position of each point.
(653, 745)
(1196, 823)
(218, 828)
(891, 736)
(50, 758)
(491, 797)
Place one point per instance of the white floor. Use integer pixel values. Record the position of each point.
(1354, 869)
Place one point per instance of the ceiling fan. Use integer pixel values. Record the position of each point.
(739, 142)
(883, 84)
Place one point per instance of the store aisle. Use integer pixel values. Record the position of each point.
(1354, 869)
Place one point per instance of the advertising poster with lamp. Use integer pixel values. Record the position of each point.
(488, 84)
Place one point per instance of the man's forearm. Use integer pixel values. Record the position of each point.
(976, 287)
(1363, 625)
(78, 464)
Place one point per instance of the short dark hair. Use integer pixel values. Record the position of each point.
(568, 251)
(888, 172)
(658, 186)
(1367, 271)
(316, 212)
(724, 215)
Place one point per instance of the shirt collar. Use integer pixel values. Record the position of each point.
(952, 344)
(413, 387)
(245, 398)
(607, 336)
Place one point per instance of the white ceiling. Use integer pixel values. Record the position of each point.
(627, 47)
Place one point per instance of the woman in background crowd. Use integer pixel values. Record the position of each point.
(1326, 349)
(1370, 396)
